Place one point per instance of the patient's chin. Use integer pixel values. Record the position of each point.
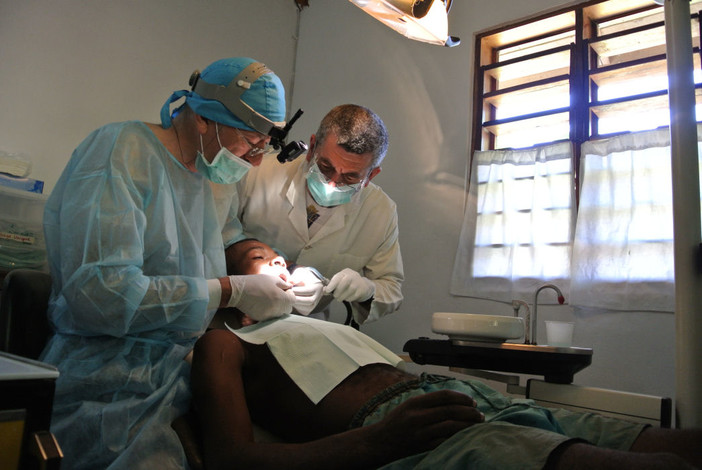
(247, 320)
(231, 318)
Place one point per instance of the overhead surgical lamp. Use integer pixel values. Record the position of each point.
(421, 20)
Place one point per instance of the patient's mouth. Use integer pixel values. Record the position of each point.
(276, 270)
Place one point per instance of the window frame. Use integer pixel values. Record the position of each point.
(582, 120)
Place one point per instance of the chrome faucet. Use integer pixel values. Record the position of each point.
(532, 323)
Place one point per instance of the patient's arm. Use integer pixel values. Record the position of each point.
(219, 394)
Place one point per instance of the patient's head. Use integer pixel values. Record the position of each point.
(251, 256)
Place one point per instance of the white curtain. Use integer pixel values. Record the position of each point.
(517, 230)
(516, 234)
(623, 247)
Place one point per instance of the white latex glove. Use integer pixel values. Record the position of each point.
(261, 296)
(307, 289)
(347, 285)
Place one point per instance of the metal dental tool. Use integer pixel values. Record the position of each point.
(349, 315)
(323, 279)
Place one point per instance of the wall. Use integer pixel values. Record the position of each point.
(70, 66)
(423, 93)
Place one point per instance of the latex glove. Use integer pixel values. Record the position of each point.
(261, 296)
(308, 290)
(347, 285)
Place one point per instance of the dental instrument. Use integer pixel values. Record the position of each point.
(319, 275)
(349, 312)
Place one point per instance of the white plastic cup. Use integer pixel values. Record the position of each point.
(559, 333)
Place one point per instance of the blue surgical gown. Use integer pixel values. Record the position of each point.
(132, 236)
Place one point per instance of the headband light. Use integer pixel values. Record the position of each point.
(230, 97)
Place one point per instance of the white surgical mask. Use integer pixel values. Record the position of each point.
(324, 193)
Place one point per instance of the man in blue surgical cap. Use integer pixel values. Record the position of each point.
(138, 268)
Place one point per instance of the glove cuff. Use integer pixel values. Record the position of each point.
(236, 284)
(371, 289)
(214, 288)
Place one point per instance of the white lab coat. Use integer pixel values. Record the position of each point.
(361, 235)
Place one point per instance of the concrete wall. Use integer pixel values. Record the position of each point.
(70, 66)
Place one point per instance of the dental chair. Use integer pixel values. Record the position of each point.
(24, 331)
(24, 326)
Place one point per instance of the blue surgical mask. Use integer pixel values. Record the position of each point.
(226, 168)
(324, 193)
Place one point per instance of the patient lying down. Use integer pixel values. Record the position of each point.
(373, 414)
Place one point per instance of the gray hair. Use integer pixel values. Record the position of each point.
(358, 130)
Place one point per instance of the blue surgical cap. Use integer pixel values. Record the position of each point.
(266, 95)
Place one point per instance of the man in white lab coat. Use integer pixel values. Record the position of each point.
(323, 211)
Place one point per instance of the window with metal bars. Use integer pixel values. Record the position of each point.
(592, 70)
(588, 72)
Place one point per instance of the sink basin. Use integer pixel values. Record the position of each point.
(474, 327)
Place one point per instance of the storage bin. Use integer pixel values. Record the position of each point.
(21, 232)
